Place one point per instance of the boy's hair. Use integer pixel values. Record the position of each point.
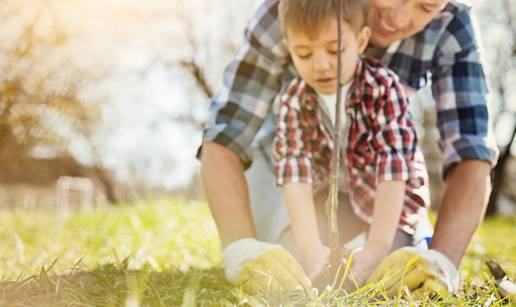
(309, 15)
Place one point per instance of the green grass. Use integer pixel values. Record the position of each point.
(166, 253)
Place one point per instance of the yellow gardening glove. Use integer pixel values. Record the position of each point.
(425, 272)
(261, 267)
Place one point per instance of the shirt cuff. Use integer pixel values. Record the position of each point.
(228, 142)
(469, 148)
(394, 167)
(294, 170)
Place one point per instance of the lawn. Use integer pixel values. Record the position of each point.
(166, 253)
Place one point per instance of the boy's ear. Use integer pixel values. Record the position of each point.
(363, 39)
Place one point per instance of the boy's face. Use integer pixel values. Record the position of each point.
(315, 59)
(392, 20)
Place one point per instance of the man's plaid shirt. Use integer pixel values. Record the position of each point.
(445, 54)
(380, 138)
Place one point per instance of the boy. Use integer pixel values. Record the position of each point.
(383, 171)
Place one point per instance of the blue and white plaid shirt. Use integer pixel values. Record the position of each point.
(444, 55)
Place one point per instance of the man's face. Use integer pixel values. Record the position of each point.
(392, 20)
(315, 59)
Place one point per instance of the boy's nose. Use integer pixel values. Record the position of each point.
(321, 62)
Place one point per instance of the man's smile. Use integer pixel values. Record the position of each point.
(386, 27)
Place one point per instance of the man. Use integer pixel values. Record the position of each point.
(424, 42)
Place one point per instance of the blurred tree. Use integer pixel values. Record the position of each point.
(29, 107)
(500, 171)
(497, 22)
(208, 51)
(39, 104)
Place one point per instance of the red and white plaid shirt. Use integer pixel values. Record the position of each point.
(381, 141)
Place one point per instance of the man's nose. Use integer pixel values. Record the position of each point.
(399, 15)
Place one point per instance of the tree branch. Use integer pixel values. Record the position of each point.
(199, 76)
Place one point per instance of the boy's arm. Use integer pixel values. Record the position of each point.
(386, 215)
(394, 137)
(303, 220)
(293, 164)
(292, 148)
(394, 142)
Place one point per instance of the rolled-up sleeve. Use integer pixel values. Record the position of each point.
(394, 136)
(460, 90)
(292, 149)
(250, 82)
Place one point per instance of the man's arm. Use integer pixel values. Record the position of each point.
(255, 266)
(460, 89)
(394, 143)
(462, 208)
(227, 193)
(251, 81)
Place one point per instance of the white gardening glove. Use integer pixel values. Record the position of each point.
(422, 271)
(261, 267)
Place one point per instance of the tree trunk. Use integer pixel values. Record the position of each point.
(109, 189)
(499, 176)
(332, 203)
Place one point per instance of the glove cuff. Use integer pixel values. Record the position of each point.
(447, 269)
(443, 268)
(237, 254)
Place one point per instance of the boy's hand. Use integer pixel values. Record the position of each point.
(363, 263)
(317, 261)
(261, 267)
(422, 271)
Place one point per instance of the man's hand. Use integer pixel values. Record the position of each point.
(265, 268)
(422, 271)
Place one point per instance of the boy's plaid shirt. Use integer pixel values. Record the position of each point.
(446, 53)
(380, 137)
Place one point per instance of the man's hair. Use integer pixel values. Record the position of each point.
(309, 15)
